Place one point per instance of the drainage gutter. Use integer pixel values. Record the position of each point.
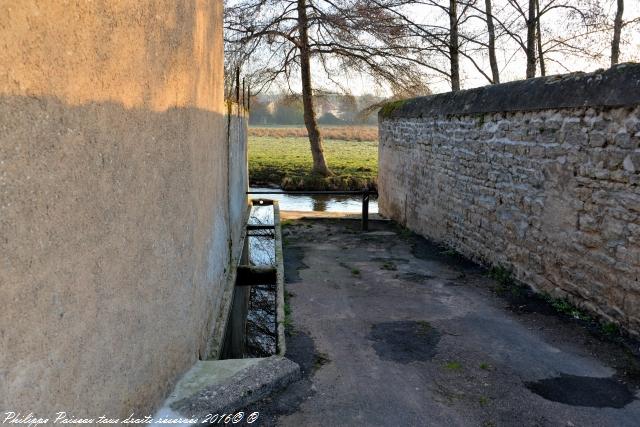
(225, 386)
(216, 340)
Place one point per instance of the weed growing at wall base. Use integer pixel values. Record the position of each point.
(287, 311)
(564, 306)
(521, 294)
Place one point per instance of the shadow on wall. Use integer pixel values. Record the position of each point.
(114, 247)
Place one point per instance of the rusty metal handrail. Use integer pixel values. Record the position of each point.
(365, 198)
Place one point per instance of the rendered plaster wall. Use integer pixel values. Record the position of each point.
(238, 173)
(539, 176)
(115, 217)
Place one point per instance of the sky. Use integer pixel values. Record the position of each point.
(511, 59)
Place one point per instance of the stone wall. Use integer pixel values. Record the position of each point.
(539, 176)
(116, 221)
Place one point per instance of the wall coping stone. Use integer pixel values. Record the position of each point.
(618, 86)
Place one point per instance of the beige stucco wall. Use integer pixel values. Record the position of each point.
(114, 204)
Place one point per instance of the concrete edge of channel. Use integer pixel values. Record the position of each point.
(219, 387)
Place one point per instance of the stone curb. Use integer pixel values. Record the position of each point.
(241, 390)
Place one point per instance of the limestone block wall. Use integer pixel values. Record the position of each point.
(540, 176)
(116, 220)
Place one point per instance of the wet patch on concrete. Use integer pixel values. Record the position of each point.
(321, 359)
(476, 369)
(522, 299)
(293, 263)
(615, 348)
(414, 277)
(355, 225)
(300, 349)
(395, 260)
(583, 391)
(404, 341)
(424, 249)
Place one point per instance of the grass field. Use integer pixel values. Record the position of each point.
(286, 161)
(340, 133)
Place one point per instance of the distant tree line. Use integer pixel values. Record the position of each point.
(332, 110)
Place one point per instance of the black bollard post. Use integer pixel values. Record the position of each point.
(365, 211)
(238, 86)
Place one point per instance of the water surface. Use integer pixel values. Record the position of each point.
(316, 203)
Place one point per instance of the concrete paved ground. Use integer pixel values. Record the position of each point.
(391, 330)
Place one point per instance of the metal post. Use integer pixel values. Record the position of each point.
(243, 89)
(366, 194)
(365, 211)
(238, 85)
(249, 96)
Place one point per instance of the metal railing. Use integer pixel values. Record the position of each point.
(366, 194)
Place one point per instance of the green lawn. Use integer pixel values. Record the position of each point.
(287, 162)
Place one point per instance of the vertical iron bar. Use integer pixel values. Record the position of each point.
(248, 96)
(238, 85)
(243, 89)
(365, 211)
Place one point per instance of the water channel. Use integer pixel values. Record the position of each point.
(316, 203)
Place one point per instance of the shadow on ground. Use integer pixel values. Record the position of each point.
(390, 329)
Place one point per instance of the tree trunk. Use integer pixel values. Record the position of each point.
(531, 40)
(617, 29)
(315, 139)
(454, 47)
(543, 68)
(495, 72)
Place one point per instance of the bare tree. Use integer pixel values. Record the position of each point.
(317, 151)
(493, 61)
(575, 27)
(454, 45)
(617, 30)
(286, 39)
(471, 38)
(525, 20)
(531, 38)
(543, 68)
(550, 33)
(402, 44)
(437, 40)
(613, 29)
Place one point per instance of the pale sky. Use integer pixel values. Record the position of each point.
(510, 58)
